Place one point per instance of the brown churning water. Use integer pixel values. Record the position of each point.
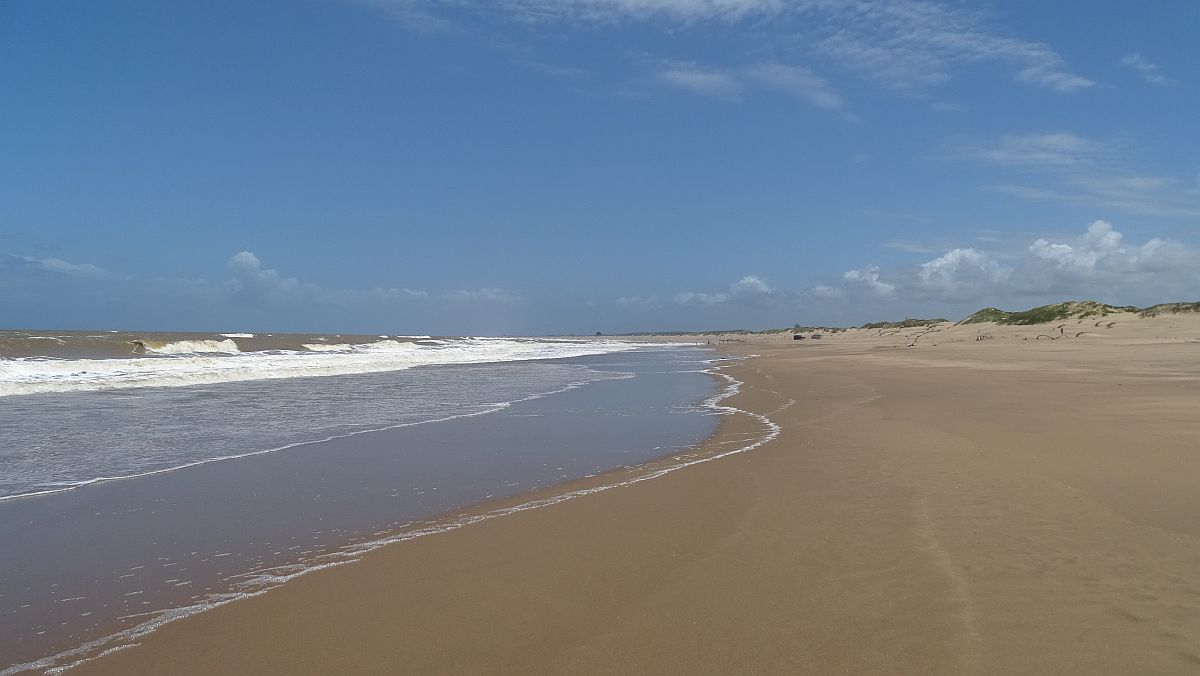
(116, 344)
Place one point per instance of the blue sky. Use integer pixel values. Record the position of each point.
(570, 166)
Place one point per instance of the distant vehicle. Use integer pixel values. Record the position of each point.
(797, 337)
(816, 336)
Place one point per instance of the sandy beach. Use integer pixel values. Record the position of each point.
(599, 337)
(986, 501)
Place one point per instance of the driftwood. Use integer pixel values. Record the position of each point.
(913, 342)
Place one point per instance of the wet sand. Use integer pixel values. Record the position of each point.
(1001, 506)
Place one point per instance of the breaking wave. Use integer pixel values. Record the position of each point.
(205, 362)
(226, 346)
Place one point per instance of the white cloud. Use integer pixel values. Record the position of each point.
(797, 81)
(252, 280)
(1102, 255)
(693, 298)
(868, 278)
(1099, 263)
(961, 272)
(62, 267)
(392, 294)
(1150, 72)
(750, 285)
(1099, 242)
(825, 291)
(750, 290)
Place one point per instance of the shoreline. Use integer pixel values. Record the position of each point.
(257, 583)
(966, 509)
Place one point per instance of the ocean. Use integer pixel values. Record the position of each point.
(147, 477)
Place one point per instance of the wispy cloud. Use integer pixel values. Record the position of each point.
(901, 44)
(1150, 72)
(910, 246)
(910, 44)
(257, 284)
(639, 302)
(947, 107)
(891, 215)
(615, 10)
(61, 267)
(1169, 196)
(797, 81)
(793, 80)
(1076, 169)
(1053, 149)
(699, 80)
(416, 15)
(1052, 75)
(484, 295)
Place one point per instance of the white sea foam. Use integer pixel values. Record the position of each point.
(237, 335)
(226, 346)
(206, 362)
(326, 347)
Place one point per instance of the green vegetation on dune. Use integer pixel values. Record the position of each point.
(987, 314)
(814, 329)
(1075, 309)
(1047, 313)
(735, 332)
(905, 324)
(1168, 309)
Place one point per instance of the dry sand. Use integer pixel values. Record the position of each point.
(1010, 505)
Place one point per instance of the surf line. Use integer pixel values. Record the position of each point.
(490, 407)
